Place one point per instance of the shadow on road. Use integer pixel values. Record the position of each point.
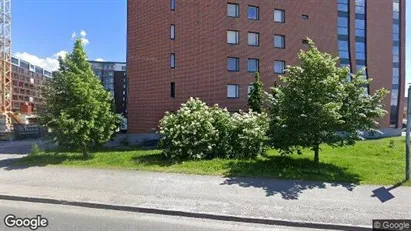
(383, 194)
(38, 161)
(283, 167)
(153, 159)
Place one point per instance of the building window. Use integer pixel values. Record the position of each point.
(233, 64)
(253, 65)
(232, 37)
(172, 32)
(172, 60)
(304, 16)
(279, 16)
(249, 89)
(253, 13)
(279, 67)
(359, 23)
(173, 4)
(232, 91)
(360, 7)
(279, 41)
(233, 10)
(172, 89)
(253, 39)
(343, 30)
(343, 6)
(342, 22)
(359, 33)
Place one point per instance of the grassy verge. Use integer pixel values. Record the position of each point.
(369, 162)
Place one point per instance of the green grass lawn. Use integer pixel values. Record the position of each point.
(368, 162)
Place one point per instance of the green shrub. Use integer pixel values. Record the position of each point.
(198, 131)
(249, 134)
(35, 150)
(189, 133)
(223, 124)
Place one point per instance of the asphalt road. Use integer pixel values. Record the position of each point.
(67, 218)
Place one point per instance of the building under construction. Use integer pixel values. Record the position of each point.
(27, 82)
(20, 81)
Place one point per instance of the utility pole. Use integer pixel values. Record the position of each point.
(407, 143)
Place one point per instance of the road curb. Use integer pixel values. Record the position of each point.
(136, 209)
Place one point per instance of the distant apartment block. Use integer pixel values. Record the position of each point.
(27, 81)
(114, 79)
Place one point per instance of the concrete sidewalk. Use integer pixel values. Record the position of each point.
(20, 147)
(296, 201)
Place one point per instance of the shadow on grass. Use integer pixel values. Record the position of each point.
(302, 174)
(153, 160)
(49, 158)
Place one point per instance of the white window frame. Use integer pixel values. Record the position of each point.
(173, 60)
(282, 15)
(236, 91)
(257, 62)
(275, 66)
(282, 45)
(256, 37)
(236, 9)
(237, 69)
(172, 32)
(236, 37)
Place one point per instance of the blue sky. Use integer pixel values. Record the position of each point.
(44, 28)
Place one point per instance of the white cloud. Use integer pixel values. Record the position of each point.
(82, 36)
(85, 41)
(49, 63)
(100, 60)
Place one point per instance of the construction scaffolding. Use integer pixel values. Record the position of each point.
(5, 66)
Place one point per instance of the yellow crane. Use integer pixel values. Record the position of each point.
(5, 65)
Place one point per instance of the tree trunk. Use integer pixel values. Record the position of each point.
(85, 153)
(316, 153)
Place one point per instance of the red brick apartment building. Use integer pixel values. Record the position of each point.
(210, 49)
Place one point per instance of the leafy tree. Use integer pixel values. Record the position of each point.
(318, 103)
(77, 110)
(256, 97)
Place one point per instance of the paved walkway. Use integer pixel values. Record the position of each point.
(315, 202)
(19, 147)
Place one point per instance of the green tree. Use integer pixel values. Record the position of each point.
(321, 103)
(256, 97)
(77, 110)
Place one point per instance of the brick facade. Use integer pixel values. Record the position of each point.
(120, 92)
(201, 50)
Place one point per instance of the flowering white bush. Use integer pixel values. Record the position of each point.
(198, 131)
(189, 133)
(222, 122)
(249, 134)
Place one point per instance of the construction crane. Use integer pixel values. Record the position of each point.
(5, 66)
